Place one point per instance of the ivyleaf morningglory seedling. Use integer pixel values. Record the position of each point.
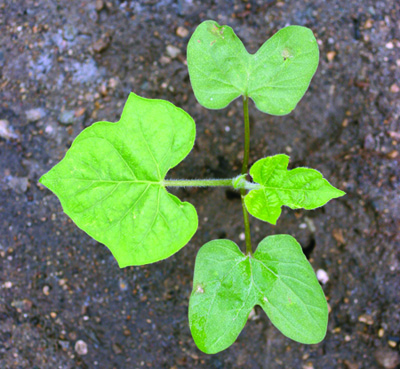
(112, 183)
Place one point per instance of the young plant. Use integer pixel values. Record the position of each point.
(112, 184)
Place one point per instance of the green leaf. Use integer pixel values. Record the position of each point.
(278, 277)
(276, 77)
(111, 182)
(297, 188)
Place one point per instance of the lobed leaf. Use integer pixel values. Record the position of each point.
(278, 277)
(111, 182)
(297, 188)
(276, 77)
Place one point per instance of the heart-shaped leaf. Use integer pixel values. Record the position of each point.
(297, 188)
(278, 277)
(276, 77)
(111, 182)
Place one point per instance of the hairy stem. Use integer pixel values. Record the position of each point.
(245, 166)
(198, 182)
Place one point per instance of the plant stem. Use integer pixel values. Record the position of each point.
(198, 182)
(246, 135)
(249, 249)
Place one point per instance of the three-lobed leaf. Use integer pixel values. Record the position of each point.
(275, 77)
(297, 188)
(278, 277)
(111, 182)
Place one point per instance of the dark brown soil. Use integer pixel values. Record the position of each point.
(76, 64)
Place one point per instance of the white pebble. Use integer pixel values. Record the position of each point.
(322, 276)
(8, 284)
(81, 347)
(242, 236)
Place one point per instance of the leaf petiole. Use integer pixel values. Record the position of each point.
(247, 233)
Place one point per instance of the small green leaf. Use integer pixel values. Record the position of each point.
(111, 182)
(297, 188)
(278, 277)
(276, 77)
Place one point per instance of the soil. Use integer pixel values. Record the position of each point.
(67, 64)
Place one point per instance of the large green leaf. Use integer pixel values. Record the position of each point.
(275, 77)
(278, 277)
(111, 182)
(296, 188)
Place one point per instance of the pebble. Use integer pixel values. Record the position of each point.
(8, 284)
(369, 142)
(331, 55)
(322, 276)
(117, 349)
(81, 347)
(123, 286)
(22, 305)
(18, 184)
(5, 130)
(99, 5)
(387, 358)
(67, 117)
(394, 88)
(173, 51)
(365, 318)
(182, 32)
(350, 365)
(33, 115)
(102, 43)
(389, 45)
(46, 290)
(338, 235)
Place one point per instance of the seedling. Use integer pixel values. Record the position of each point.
(112, 183)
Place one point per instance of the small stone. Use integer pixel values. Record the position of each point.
(389, 45)
(365, 318)
(394, 88)
(392, 343)
(46, 290)
(242, 237)
(117, 349)
(182, 32)
(330, 55)
(322, 276)
(81, 347)
(5, 130)
(350, 365)
(33, 115)
(64, 345)
(164, 60)
(99, 5)
(8, 284)
(123, 285)
(393, 154)
(308, 365)
(368, 24)
(381, 332)
(173, 51)
(369, 142)
(102, 43)
(53, 315)
(67, 117)
(387, 358)
(338, 236)
(18, 184)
